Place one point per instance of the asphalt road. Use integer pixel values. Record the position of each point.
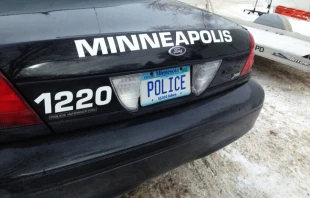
(272, 160)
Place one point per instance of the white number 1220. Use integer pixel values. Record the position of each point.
(66, 97)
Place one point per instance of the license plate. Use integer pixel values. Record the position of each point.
(162, 85)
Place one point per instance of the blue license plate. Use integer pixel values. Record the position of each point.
(162, 85)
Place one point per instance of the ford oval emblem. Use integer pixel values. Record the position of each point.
(177, 51)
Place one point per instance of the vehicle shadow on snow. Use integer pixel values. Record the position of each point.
(280, 71)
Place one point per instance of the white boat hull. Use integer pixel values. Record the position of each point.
(285, 47)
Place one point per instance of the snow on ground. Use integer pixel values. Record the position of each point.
(235, 8)
(272, 160)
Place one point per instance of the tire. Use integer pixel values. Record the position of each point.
(275, 21)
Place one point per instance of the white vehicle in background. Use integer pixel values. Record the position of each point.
(279, 38)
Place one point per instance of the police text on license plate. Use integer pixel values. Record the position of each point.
(162, 85)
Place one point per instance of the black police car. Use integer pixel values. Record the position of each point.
(97, 97)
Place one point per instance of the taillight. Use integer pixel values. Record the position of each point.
(14, 110)
(128, 90)
(250, 61)
(203, 74)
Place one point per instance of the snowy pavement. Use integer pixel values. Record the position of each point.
(272, 160)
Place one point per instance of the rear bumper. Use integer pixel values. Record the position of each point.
(108, 161)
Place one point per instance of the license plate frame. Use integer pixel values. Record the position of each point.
(162, 85)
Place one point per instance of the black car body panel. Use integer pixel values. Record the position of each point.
(44, 58)
(73, 45)
(107, 161)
